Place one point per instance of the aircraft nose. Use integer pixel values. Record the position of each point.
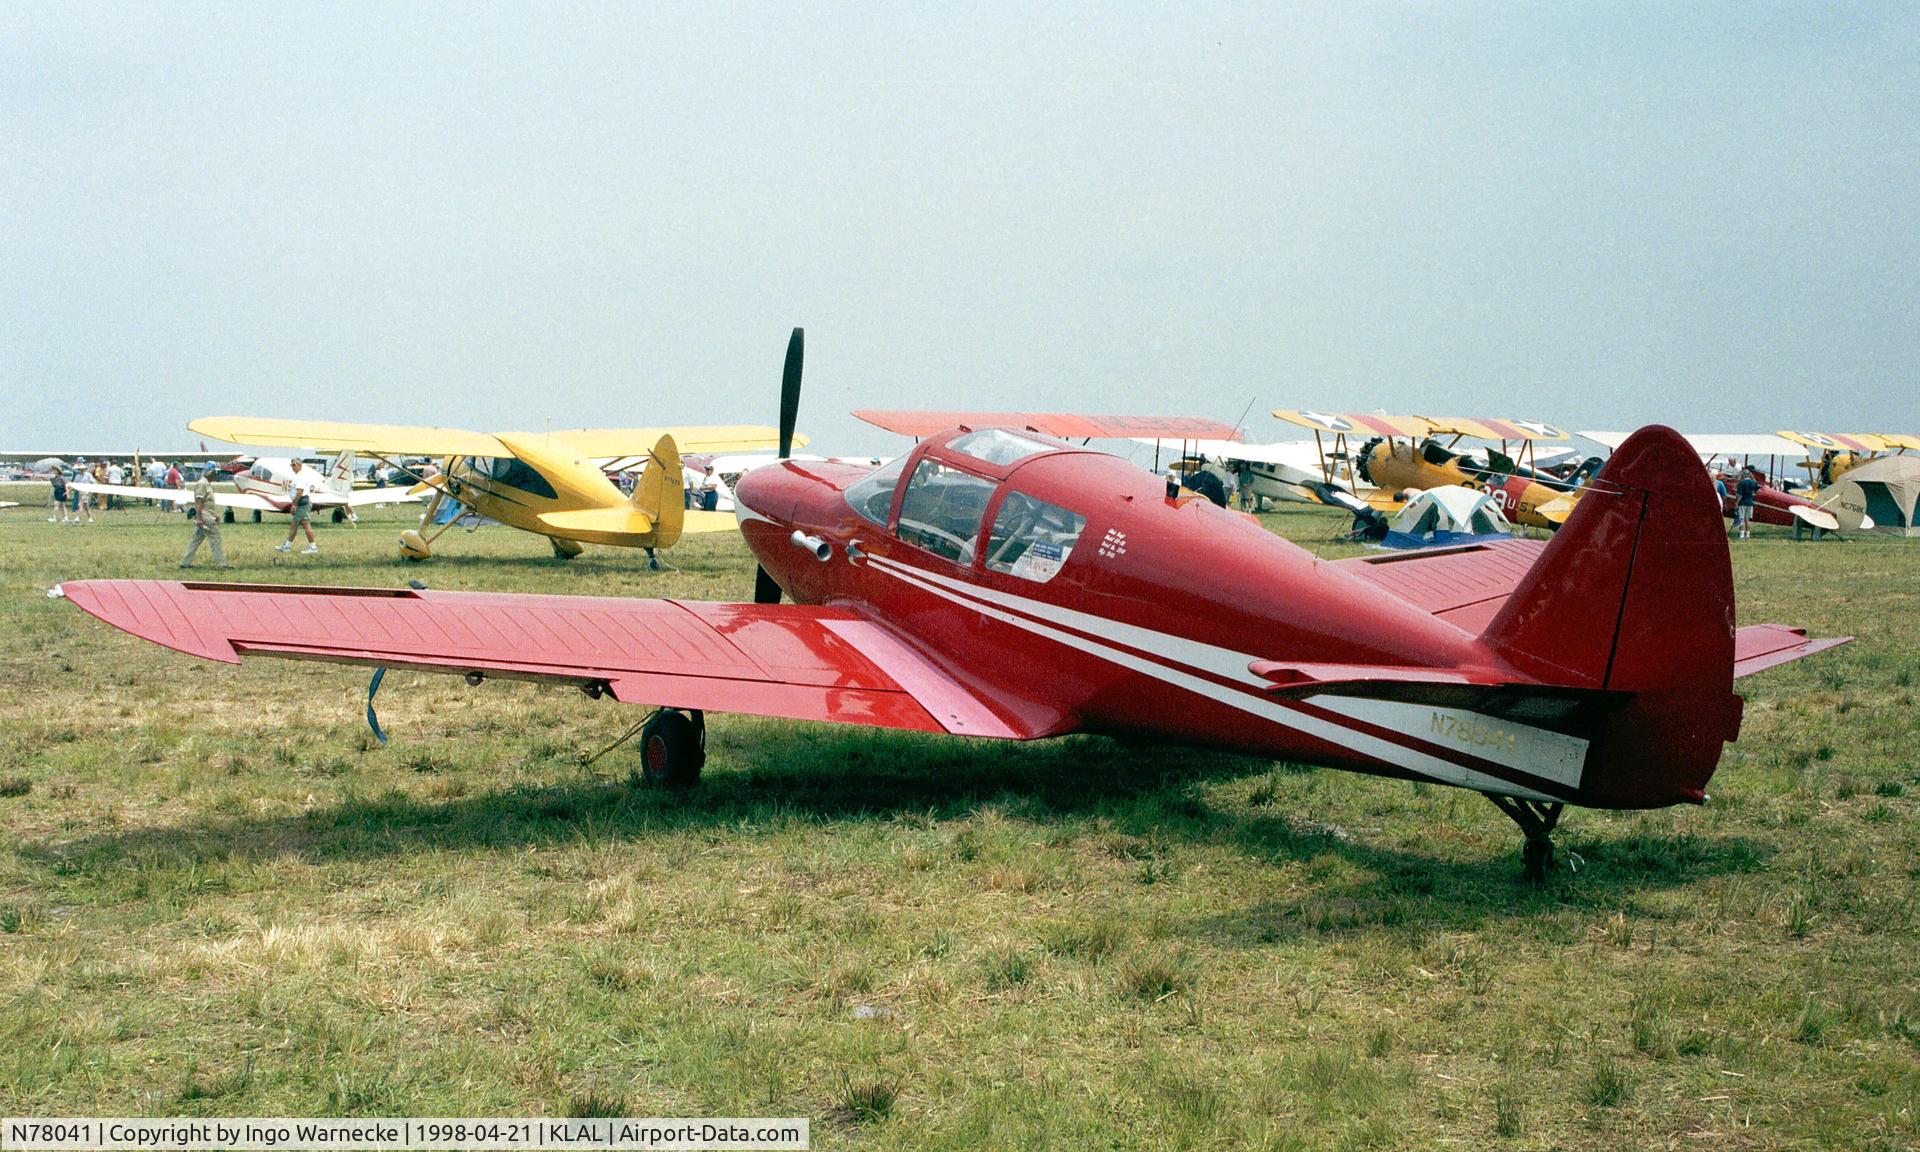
(765, 493)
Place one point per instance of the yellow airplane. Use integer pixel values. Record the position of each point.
(1841, 453)
(547, 483)
(1405, 453)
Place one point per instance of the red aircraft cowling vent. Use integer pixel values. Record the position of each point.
(1635, 594)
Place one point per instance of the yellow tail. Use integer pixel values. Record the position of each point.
(658, 494)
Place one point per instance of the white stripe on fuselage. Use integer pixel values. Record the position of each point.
(1332, 732)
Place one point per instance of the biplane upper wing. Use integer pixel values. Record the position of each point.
(786, 660)
(1064, 425)
(1492, 428)
(1468, 586)
(332, 436)
(1359, 423)
(1854, 441)
(1420, 427)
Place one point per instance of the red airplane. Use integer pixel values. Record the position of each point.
(996, 582)
(1775, 506)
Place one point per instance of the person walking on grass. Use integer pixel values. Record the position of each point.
(1744, 492)
(77, 498)
(206, 521)
(59, 497)
(300, 491)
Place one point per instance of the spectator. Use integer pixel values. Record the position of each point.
(173, 478)
(709, 490)
(300, 490)
(76, 497)
(1745, 491)
(206, 521)
(59, 497)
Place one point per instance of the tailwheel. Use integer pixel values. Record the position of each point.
(1537, 819)
(673, 746)
(653, 562)
(564, 549)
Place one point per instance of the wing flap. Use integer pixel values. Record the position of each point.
(793, 661)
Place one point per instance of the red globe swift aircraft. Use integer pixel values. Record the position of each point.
(996, 582)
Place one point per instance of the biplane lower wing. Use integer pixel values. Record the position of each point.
(791, 661)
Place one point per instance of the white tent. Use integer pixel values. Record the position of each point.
(1452, 509)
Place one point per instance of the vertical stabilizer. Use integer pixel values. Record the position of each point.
(1635, 594)
(658, 494)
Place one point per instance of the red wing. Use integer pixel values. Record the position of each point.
(793, 661)
(1060, 424)
(1463, 586)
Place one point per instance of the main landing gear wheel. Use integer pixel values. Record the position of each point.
(1537, 819)
(673, 746)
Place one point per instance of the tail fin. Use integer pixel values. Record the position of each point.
(658, 494)
(340, 472)
(1635, 594)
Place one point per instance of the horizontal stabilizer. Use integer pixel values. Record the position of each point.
(621, 521)
(1759, 647)
(1437, 687)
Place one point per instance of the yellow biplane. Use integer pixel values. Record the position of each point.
(548, 483)
(1865, 479)
(1414, 453)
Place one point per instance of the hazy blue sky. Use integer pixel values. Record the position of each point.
(492, 217)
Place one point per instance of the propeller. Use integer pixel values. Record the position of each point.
(765, 589)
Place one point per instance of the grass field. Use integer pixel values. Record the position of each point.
(218, 897)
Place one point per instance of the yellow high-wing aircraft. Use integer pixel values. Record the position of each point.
(546, 483)
(1407, 453)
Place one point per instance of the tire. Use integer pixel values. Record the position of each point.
(671, 751)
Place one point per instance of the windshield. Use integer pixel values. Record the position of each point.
(998, 446)
(872, 496)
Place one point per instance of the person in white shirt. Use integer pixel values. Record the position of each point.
(300, 490)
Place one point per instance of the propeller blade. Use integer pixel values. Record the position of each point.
(790, 390)
(765, 590)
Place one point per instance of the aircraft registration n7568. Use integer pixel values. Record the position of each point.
(998, 582)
